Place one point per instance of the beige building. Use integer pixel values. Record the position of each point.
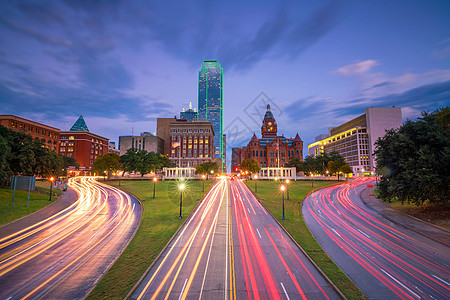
(192, 143)
(144, 141)
(355, 139)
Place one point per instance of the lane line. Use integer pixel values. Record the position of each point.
(258, 233)
(203, 232)
(417, 296)
(182, 290)
(287, 296)
(441, 280)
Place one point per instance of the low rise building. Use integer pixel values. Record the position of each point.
(47, 134)
(355, 139)
(112, 148)
(162, 131)
(192, 143)
(144, 141)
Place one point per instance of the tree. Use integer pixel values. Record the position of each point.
(207, 167)
(107, 163)
(143, 162)
(295, 162)
(68, 161)
(250, 165)
(413, 160)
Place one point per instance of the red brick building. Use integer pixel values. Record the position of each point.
(84, 146)
(271, 150)
(47, 134)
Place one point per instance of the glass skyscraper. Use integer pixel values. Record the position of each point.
(210, 101)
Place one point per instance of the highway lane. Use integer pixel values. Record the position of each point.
(231, 248)
(385, 259)
(65, 255)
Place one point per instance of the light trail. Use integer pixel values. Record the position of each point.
(389, 254)
(67, 253)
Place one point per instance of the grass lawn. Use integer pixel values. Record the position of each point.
(270, 195)
(159, 223)
(9, 213)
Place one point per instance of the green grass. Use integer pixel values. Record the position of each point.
(296, 226)
(159, 223)
(43, 186)
(9, 213)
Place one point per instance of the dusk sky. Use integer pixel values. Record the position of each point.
(122, 64)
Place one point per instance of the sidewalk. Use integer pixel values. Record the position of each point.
(429, 230)
(65, 200)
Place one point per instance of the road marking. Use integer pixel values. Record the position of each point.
(335, 232)
(364, 234)
(287, 296)
(258, 233)
(184, 285)
(400, 283)
(319, 211)
(397, 235)
(133, 207)
(441, 280)
(203, 232)
(248, 210)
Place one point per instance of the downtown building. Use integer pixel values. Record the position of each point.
(46, 134)
(192, 143)
(82, 145)
(271, 150)
(210, 103)
(144, 141)
(355, 139)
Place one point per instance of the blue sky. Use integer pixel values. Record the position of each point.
(122, 64)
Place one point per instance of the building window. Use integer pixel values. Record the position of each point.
(71, 137)
(63, 149)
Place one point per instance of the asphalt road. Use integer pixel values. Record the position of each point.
(66, 254)
(385, 257)
(231, 248)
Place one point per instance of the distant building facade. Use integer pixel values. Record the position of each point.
(47, 134)
(271, 150)
(84, 146)
(210, 101)
(163, 132)
(355, 139)
(112, 148)
(145, 141)
(192, 143)
(190, 114)
(237, 156)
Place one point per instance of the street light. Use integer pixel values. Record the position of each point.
(203, 179)
(154, 186)
(287, 189)
(282, 190)
(51, 186)
(181, 187)
(256, 188)
(312, 179)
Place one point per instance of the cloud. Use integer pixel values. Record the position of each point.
(444, 49)
(357, 68)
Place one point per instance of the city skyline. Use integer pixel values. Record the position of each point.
(123, 64)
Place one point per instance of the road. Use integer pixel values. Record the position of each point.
(231, 248)
(385, 258)
(65, 255)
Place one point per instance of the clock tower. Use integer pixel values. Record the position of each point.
(269, 125)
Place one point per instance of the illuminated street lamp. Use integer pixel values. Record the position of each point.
(312, 179)
(256, 187)
(51, 186)
(203, 179)
(282, 190)
(287, 189)
(181, 187)
(154, 186)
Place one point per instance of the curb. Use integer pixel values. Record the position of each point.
(336, 289)
(37, 211)
(133, 289)
(406, 215)
(132, 237)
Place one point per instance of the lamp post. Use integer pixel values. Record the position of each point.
(181, 187)
(256, 187)
(203, 179)
(312, 179)
(282, 190)
(287, 189)
(51, 186)
(154, 186)
(212, 172)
